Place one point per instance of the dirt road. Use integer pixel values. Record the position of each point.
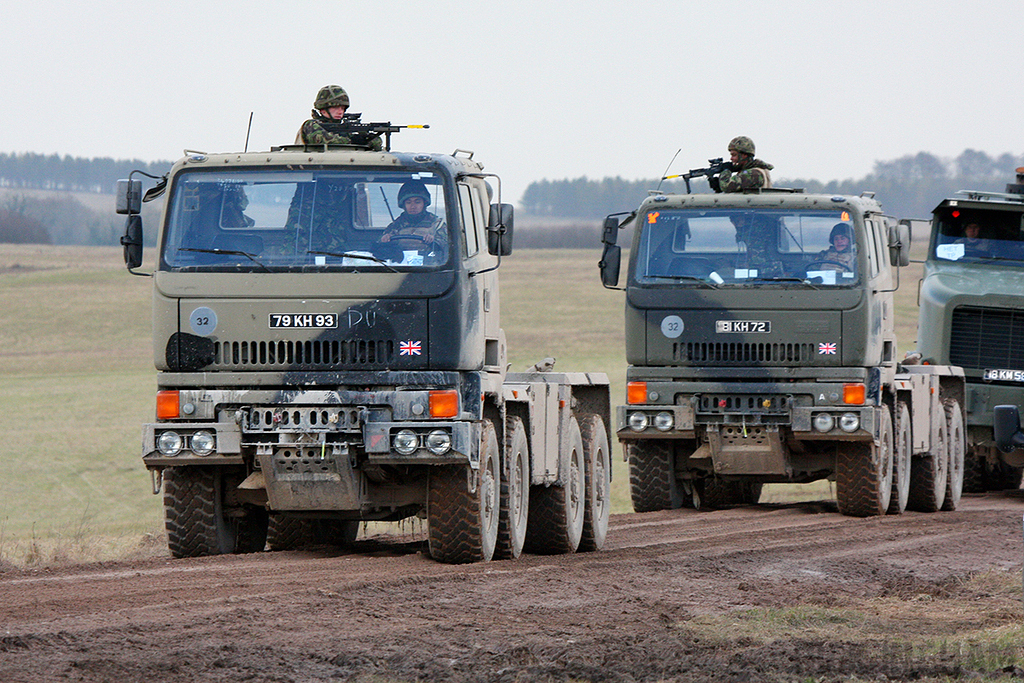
(681, 595)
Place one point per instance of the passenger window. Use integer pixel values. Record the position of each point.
(870, 234)
(470, 219)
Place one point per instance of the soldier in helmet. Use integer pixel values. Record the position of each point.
(842, 251)
(415, 228)
(329, 107)
(745, 173)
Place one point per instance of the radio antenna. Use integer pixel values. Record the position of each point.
(249, 130)
(668, 167)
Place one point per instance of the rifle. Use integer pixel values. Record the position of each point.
(715, 166)
(360, 134)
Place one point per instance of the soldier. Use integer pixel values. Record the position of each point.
(329, 107)
(415, 228)
(842, 251)
(745, 173)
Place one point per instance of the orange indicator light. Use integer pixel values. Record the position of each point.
(853, 394)
(166, 405)
(444, 403)
(636, 392)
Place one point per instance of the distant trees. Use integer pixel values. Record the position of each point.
(17, 228)
(70, 174)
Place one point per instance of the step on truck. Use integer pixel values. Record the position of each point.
(972, 315)
(758, 356)
(313, 376)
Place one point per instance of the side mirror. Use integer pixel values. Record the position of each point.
(609, 264)
(131, 240)
(129, 197)
(499, 230)
(1006, 428)
(899, 244)
(610, 235)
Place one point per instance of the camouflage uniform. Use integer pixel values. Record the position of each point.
(312, 133)
(748, 174)
(422, 224)
(847, 257)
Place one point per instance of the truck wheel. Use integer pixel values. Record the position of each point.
(515, 492)
(198, 521)
(902, 448)
(289, 533)
(1001, 477)
(956, 446)
(556, 512)
(463, 504)
(928, 474)
(864, 473)
(598, 477)
(652, 477)
(718, 493)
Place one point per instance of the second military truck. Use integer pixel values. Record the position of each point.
(761, 348)
(320, 365)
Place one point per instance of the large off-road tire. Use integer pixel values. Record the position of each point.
(1003, 477)
(928, 474)
(198, 520)
(289, 533)
(652, 477)
(974, 471)
(463, 506)
(716, 493)
(556, 512)
(515, 492)
(864, 473)
(598, 503)
(903, 446)
(956, 447)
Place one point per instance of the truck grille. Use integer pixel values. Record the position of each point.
(984, 338)
(737, 353)
(320, 354)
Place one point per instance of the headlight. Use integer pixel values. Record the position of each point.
(203, 443)
(849, 422)
(638, 421)
(663, 422)
(169, 443)
(438, 442)
(824, 422)
(406, 442)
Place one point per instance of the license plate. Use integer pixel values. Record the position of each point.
(743, 326)
(303, 320)
(1004, 375)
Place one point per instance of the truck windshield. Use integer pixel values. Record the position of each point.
(747, 247)
(980, 236)
(260, 220)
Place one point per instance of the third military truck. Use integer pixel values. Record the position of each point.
(320, 364)
(972, 315)
(758, 353)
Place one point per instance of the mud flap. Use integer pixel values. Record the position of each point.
(750, 449)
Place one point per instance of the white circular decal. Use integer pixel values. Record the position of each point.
(672, 326)
(203, 321)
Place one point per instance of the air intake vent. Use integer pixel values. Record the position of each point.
(736, 353)
(987, 338)
(320, 354)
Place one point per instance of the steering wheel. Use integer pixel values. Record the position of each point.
(824, 262)
(411, 236)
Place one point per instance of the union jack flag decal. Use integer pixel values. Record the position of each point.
(410, 348)
(827, 349)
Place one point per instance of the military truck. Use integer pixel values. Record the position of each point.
(313, 376)
(972, 315)
(758, 355)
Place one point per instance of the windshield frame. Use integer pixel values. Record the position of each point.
(999, 242)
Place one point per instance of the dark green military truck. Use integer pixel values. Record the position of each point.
(759, 352)
(312, 375)
(972, 315)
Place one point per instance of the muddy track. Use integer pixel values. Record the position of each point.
(628, 613)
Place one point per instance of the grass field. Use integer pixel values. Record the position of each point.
(77, 381)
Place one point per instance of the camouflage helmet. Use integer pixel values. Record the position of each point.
(840, 229)
(331, 96)
(413, 188)
(742, 144)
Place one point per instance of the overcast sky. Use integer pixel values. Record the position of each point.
(537, 89)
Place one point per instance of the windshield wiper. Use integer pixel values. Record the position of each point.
(348, 254)
(782, 278)
(229, 252)
(692, 278)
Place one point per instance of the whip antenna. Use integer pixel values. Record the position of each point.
(665, 174)
(249, 130)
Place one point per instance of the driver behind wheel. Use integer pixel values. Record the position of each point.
(416, 228)
(842, 251)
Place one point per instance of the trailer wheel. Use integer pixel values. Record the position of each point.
(928, 474)
(556, 512)
(200, 521)
(864, 473)
(902, 448)
(463, 504)
(289, 533)
(515, 492)
(598, 478)
(956, 446)
(652, 478)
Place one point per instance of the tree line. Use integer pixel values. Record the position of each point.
(70, 174)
